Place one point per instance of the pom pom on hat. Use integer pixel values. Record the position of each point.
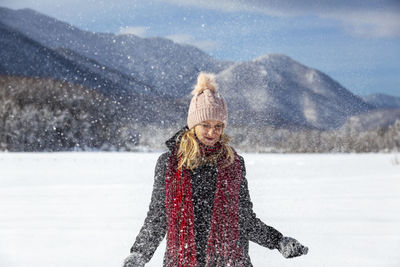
(205, 81)
(206, 103)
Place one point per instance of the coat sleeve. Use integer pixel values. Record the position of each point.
(251, 226)
(155, 224)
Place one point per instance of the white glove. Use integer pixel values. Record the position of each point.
(290, 247)
(134, 260)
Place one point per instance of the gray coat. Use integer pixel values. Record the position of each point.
(203, 181)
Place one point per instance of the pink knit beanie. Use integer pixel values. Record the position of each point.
(206, 103)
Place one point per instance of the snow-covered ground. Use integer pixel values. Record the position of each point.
(85, 209)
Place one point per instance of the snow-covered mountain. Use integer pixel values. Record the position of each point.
(158, 63)
(22, 56)
(382, 101)
(275, 89)
(152, 77)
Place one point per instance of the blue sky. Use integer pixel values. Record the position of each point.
(355, 42)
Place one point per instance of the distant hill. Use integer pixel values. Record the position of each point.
(24, 56)
(382, 101)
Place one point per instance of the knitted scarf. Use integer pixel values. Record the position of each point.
(223, 247)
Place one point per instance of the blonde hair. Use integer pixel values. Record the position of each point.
(190, 156)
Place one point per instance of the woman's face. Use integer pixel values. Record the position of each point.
(209, 132)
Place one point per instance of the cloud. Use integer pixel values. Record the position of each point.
(371, 24)
(206, 45)
(136, 30)
(368, 18)
(290, 7)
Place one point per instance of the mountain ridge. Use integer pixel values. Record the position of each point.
(145, 73)
(146, 59)
(382, 101)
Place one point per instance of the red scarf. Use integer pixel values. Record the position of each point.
(223, 242)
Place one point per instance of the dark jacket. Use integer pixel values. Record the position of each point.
(203, 187)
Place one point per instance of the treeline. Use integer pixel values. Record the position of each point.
(269, 139)
(47, 115)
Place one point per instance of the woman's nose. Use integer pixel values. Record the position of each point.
(211, 131)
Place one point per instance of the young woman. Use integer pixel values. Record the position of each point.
(200, 199)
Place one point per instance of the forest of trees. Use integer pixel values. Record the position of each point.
(315, 141)
(47, 115)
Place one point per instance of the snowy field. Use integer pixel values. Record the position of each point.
(85, 209)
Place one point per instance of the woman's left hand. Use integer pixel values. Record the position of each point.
(290, 247)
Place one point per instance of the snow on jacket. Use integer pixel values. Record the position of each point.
(203, 180)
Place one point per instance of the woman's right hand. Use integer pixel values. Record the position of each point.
(134, 260)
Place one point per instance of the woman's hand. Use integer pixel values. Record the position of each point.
(134, 260)
(290, 247)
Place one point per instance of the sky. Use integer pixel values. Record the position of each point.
(356, 42)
